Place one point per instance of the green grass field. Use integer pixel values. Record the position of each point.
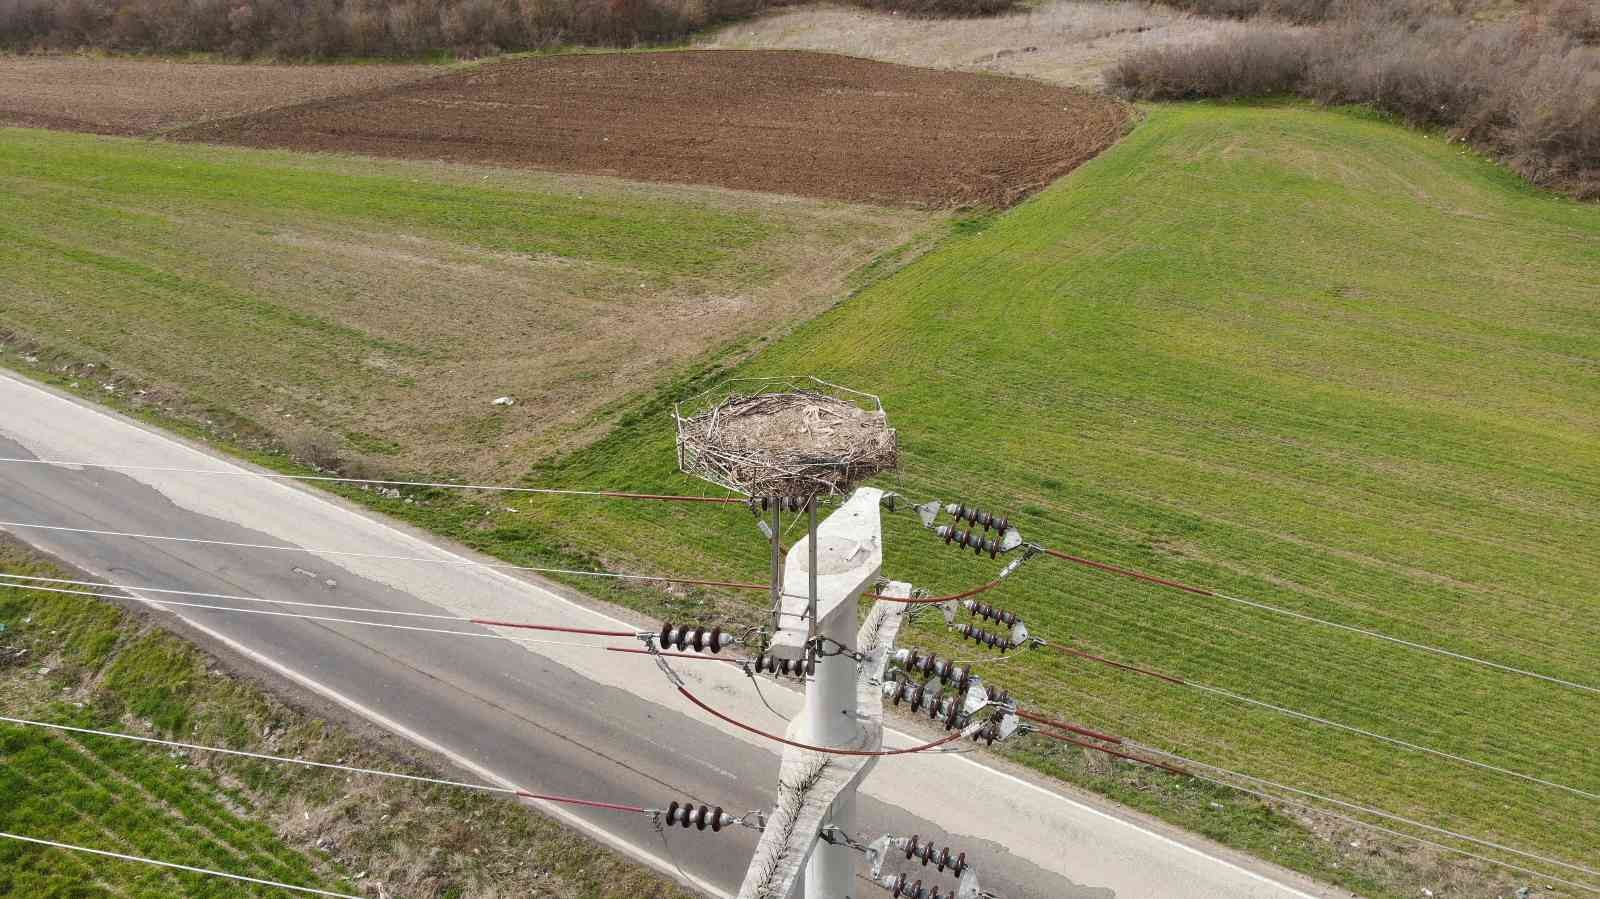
(1302, 356)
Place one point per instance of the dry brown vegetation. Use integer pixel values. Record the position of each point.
(1067, 42)
(1525, 88)
(788, 122)
(323, 29)
(135, 96)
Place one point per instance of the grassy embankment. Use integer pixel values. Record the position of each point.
(1303, 356)
(87, 663)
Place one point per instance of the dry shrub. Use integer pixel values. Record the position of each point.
(1554, 133)
(1577, 19)
(1525, 90)
(319, 29)
(315, 448)
(1308, 12)
(939, 8)
(1298, 11)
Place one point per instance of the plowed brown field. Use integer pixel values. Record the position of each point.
(783, 121)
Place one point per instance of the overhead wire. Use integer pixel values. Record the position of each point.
(1068, 726)
(1106, 567)
(1109, 751)
(1067, 650)
(872, 753)
(305, 617)
(1433, 844)
(122, 856)
(933, 600)
(1395, 741)
(1326, 722)
(1080, 654)
(376, 482)
(308, 763)
(505, 566)
(7, 578)
(1278, 610)
(1357, 807)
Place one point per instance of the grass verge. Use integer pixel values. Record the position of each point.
(91, 664)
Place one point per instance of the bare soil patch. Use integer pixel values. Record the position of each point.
(780, 121)
(134, 96)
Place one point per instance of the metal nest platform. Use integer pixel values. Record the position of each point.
(785, 437)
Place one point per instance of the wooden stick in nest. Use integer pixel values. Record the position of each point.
(798, 443)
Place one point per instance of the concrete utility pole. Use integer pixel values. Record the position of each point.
(786, 443)
(843, 710)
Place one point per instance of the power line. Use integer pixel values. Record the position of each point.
(1080, 654)
(374, 482)
(1068, 726)
(1396, 833)
(290, 602)
(322, 618)
(1109, 751)
(174, 865)
(1277, 610)
(350, 769)
(1368, 810)
(506, 566)
(1181, 682)
(823, 749)
(1391, 740)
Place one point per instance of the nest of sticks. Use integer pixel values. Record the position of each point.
(798, 443)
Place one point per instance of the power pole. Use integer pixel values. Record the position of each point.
(843, 709)
(787, 444)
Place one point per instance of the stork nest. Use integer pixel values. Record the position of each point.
(793, 444)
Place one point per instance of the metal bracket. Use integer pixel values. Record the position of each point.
(877, 851)
(1010, 540)
(1029, 551)
(649, 640)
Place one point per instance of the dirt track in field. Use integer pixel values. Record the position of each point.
(137, 96)
(781, 121)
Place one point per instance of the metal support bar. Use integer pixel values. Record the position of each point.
(776, 579)
(811, 607)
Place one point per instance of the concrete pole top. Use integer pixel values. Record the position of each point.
(849, 558)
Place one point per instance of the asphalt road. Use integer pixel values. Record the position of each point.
(549, 717)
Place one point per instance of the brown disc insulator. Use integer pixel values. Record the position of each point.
(985, 638)
(991, 613)
(766, 663)
(980, 518)
(688, 636)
